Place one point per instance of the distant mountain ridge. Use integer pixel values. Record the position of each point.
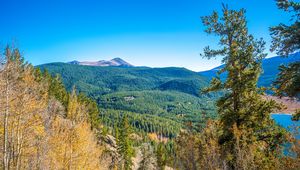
(108, 79)
(269, 66)
(118, 75)
(116, 62)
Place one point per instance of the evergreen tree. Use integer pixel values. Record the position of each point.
(125, 148)
(56, 88)
(92, 109)
(161, 156)
(242, 108)
(286, 40)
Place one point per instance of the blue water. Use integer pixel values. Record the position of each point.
(285, 120)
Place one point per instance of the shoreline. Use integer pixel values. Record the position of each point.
(290, 114)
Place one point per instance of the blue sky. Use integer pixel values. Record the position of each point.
(156, 33)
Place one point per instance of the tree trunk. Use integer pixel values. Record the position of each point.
(18, 145)
(5, 128)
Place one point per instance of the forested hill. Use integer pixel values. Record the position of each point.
(172, 94)
(269, 65)
(104, 80)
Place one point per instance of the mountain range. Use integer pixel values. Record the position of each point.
(269, 65)
(171, 93)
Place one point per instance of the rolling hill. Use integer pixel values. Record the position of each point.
(104, 80)
(170, 93)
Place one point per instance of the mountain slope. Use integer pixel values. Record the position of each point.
(169, 93)
(176, 106)
(103, 80)
(117, 62)
(269, 65)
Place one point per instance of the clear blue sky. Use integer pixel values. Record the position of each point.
(155, 33)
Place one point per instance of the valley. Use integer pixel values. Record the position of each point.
(171, 95)
(150, 85)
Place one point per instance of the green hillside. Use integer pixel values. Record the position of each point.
(103, 80)
(171, 104)
(171, 94)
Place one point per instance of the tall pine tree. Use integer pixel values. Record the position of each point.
(244, 115)
(125, 148)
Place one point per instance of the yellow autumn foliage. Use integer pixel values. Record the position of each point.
(73, 146)
(37, 131)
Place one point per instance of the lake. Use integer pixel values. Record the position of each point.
(285, 121)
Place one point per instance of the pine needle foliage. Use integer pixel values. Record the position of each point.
(242, 108)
